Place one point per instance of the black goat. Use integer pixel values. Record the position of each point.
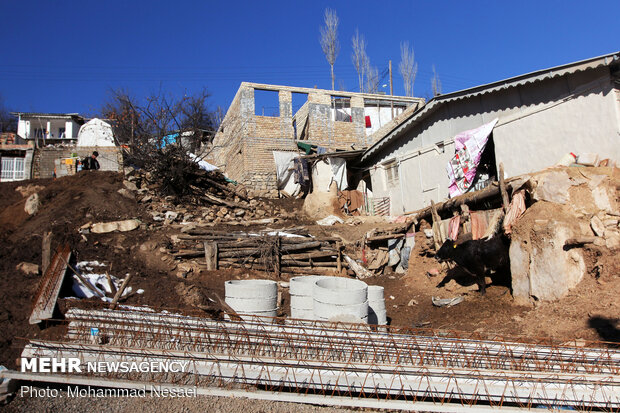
(477, 257)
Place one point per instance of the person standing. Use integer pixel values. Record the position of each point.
(91, 162)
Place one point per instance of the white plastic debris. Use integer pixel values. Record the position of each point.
(330, 220)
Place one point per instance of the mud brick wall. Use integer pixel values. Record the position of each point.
(259, 165)
(44, 161)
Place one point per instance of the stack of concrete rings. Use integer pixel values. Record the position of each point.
(340, 299)
(377, 313)
(253, 297)
(300, 289)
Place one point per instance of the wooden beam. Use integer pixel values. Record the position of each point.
(49, 286)
(46, 251)
(119, 293)
(218, 201)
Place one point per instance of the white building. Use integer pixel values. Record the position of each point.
(541, 117)
(48, 128)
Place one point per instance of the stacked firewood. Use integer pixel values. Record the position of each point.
(275, 252)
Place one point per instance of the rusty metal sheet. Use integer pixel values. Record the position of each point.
(49, 286)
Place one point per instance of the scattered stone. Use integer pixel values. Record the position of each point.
(130, 185)
(171, 215)
(597, 226)
(157, 216)
(412, 302)
(32, 204)
(29, 189)
(28, 268)
(122, 226)
(127, 193)
(612, 239)
(147, 198)
(553, 187)
(433, 272)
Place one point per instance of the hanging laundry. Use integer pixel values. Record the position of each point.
(478, 224)
(468, 146)
(453, 227)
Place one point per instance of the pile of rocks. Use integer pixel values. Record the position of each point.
(214, 201)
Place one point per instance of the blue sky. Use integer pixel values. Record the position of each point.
(63, 56)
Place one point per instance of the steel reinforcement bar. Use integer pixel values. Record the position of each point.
(346, 379)
(339, 344)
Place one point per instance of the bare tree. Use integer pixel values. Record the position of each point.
(8, 122)
(160, 130)
(435, 83)
(359, 57)
(372, 79)
(408, 67)
(329, 39)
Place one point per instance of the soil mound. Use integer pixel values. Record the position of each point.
(65, 204)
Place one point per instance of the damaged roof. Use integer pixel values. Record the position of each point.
(537, 76)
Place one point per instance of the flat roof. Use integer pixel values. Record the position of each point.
(48, 115)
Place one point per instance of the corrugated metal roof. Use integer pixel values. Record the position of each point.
(580, 66)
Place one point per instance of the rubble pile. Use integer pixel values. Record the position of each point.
(214, 200)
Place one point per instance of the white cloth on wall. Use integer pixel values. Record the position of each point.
(339, 171)
(285, 175)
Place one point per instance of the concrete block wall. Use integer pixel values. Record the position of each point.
(44, 160)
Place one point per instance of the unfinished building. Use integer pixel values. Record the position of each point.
(252, 130)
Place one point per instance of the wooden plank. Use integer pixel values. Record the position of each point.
(49, 286)
(211, 255)
(119, 293)
(384, 237)
(218, 201)
(46, 251)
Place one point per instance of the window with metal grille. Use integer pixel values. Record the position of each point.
(12, 169)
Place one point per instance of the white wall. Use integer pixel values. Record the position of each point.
(380, 116)
(538, 124)
(23, 128)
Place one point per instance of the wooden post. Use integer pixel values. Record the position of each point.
(278, 257)
(502, 188)
(211, 254)
(119, 293)
(46, 251)
(438, 236)
(466, 219)
(339, 256)
(437, 230)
